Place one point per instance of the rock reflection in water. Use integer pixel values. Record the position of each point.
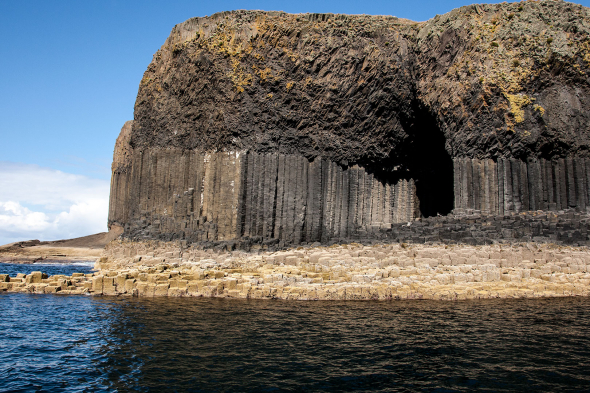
(231, 345)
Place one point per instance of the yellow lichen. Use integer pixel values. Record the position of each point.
(585, 48)
(290, 85)
(239, 77)
(539, 108)
(517, 103)
(264, 74)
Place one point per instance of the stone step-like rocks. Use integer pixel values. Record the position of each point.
(340, 272)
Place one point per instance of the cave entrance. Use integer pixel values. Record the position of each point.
(430, 164)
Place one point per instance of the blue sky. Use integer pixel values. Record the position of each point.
(70, 71)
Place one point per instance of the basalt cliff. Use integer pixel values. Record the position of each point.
(275, 129)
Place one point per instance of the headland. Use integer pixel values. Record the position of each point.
(323, 156)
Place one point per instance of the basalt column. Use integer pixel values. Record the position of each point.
(510, 185)
(279, 128)
(200, 197)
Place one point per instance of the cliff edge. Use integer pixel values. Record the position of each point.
(314, 127)
(500, 80)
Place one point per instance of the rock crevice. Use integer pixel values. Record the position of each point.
(291, 129)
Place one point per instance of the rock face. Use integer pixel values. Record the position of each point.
(303, 128)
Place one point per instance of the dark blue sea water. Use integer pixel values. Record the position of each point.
(52, 343)
(49, 268)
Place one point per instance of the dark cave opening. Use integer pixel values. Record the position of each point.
(421, 156)
(430, 164)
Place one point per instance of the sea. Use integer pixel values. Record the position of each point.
(53, 343)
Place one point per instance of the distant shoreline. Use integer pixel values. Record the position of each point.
(81, 249)
(44, 261)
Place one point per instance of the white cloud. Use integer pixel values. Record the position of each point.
(47, 204)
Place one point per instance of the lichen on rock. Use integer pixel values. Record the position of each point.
(334, 78)
(517, 103)
(311, 127)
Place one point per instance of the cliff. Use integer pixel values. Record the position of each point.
(505, 80)
(312, 127)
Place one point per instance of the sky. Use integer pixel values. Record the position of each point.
(69, 74)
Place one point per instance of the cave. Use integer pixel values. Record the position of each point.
(434, 183)
(429, 164)
(337, 145)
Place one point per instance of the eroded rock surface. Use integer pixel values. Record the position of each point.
(271, 127)
(339, 272)
(494, 80)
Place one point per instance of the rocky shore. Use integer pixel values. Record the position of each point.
(338, 272)
(86, 248)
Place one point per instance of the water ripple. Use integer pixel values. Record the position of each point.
(49, 268)
(67, 343)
